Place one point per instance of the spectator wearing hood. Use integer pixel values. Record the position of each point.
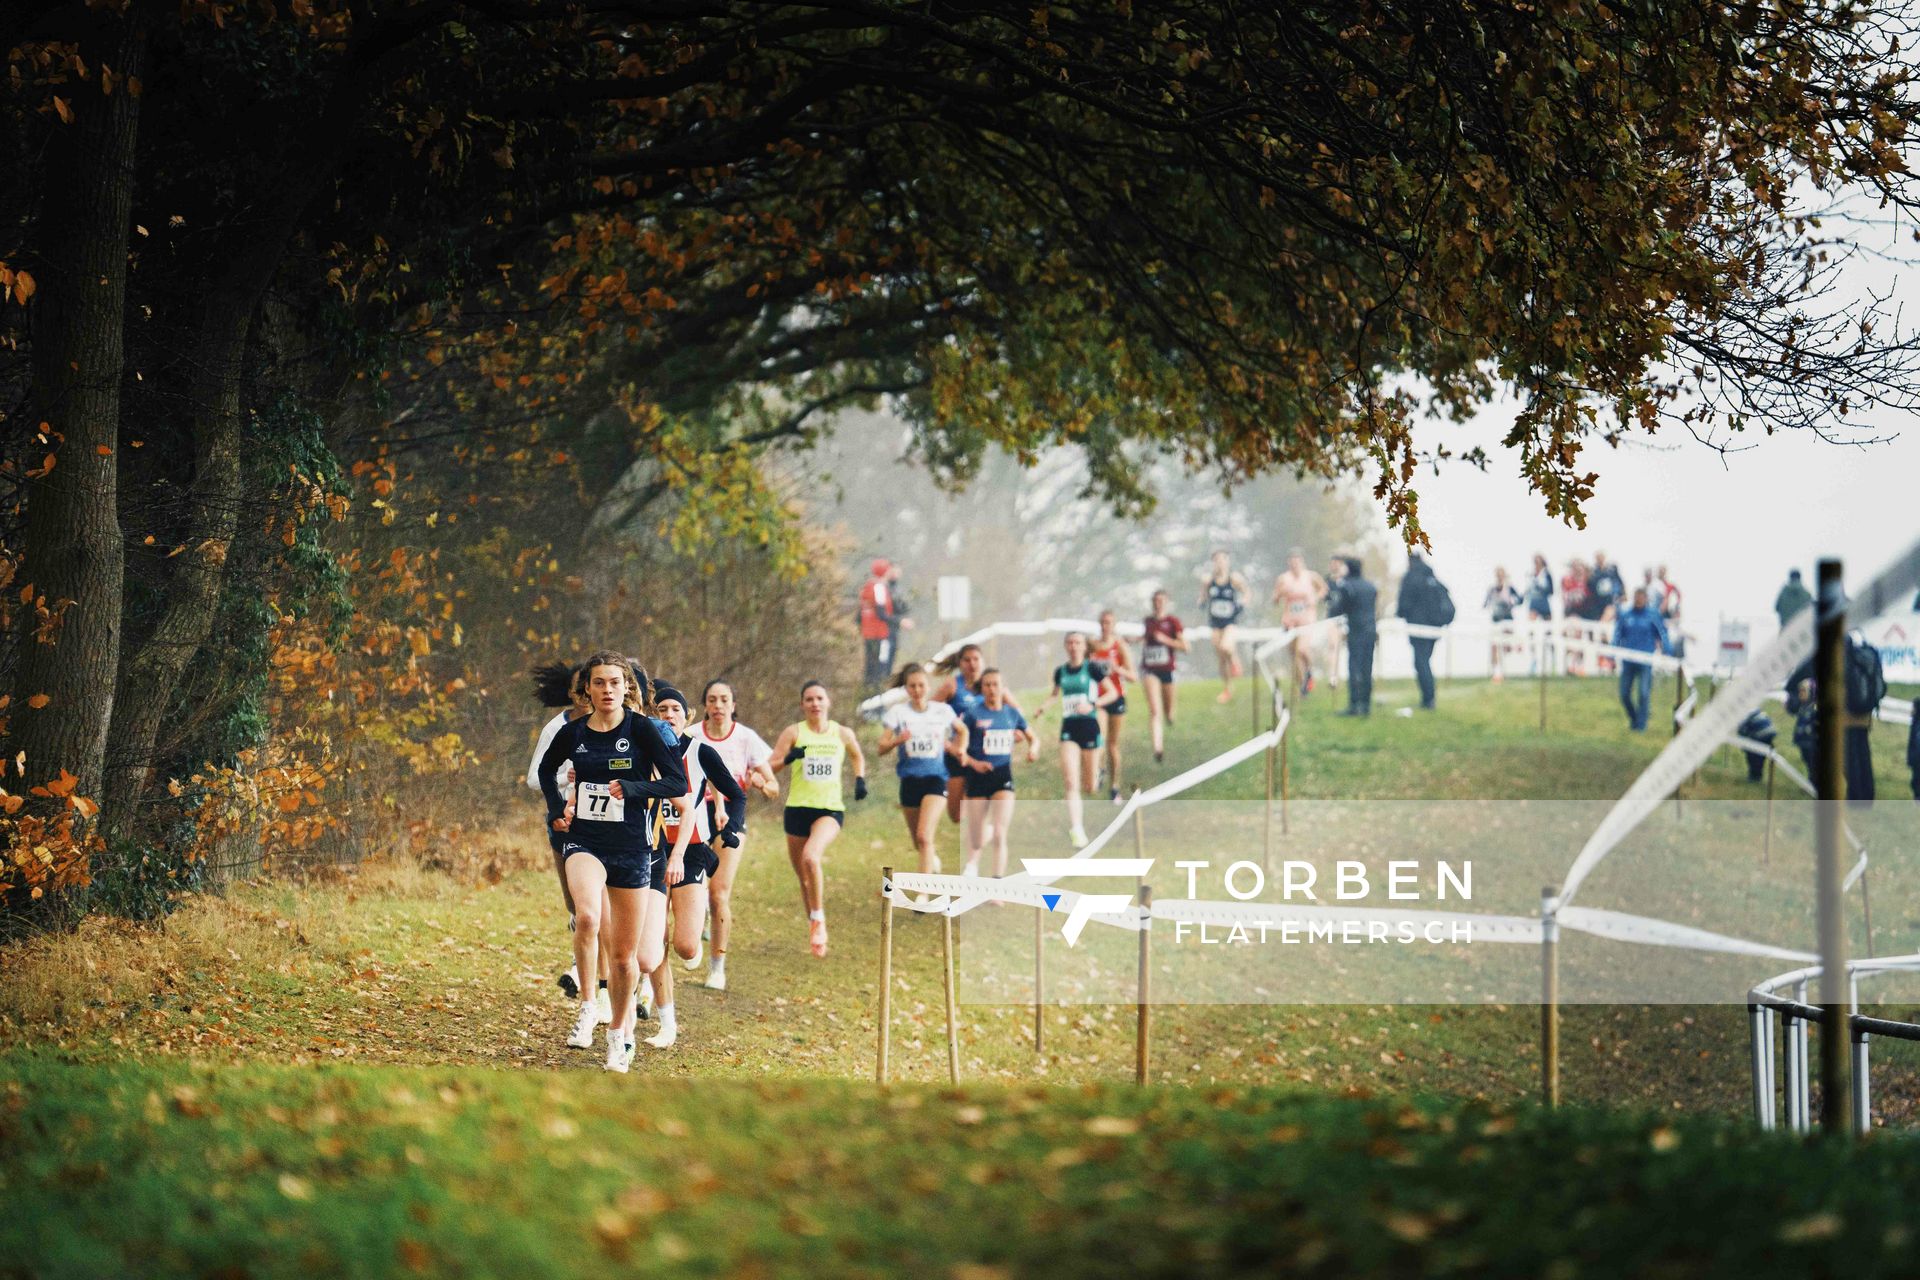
(877, 619)
(1358, 601)
(1424, 602)
(1792, 598)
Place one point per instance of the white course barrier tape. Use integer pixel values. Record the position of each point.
(1621, 927)
(1690, 749)
(1486, 928)
(1614, 926)
(1859, 868)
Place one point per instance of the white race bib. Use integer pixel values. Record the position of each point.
(1158, 655)
(595, 802)
(1220, 608)
(996, 742)
(923, 746)
(1080, 706)
(822, 769)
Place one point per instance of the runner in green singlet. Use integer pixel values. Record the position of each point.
(819, 750)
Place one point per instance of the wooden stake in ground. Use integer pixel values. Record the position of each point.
(1830, 673)
(1266, 827)
(1766, 846)
(886, 973)
(953, 1020)
(1550, 995)
(1039, 979)
(1146, 986)
(1283, 780)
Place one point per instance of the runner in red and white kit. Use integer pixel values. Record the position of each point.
(1110, 651)
(696, 829)
(749, 759)
(1165, 636)
(1298, 592)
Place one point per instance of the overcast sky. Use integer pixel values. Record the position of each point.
(1728, 525)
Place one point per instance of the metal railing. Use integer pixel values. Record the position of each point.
(1777, 1033)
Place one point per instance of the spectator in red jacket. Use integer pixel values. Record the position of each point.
(877, 624)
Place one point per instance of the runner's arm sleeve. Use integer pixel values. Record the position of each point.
(715, 768)
(548, 772)
(540, 749)
(664, 756)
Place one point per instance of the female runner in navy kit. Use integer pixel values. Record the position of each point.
(1223, 594)
(625, 764)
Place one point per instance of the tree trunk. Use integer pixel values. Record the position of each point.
(72, 542)
(152, 671)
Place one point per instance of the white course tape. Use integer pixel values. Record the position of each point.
(1615, 926)
(1486, 928)
(1859, 868)
(1690, 749)
(1621, 927)
(1201, 772)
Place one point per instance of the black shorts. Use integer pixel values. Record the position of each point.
(624, 870)
(992, 782)
(697, 867)
(914, 790)
(954, 768)
(800, 820)
(1221, 624)
(1118, 707)
(557, 841)
(1164, 677)
(1082, 731)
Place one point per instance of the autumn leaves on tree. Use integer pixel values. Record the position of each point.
(294, 288)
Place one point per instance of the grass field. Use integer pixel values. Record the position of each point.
(245, 1063)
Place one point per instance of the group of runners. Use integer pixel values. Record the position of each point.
(647, 819)
(646, 810)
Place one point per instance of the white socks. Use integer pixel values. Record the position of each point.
(669, 1029)
(816, 914)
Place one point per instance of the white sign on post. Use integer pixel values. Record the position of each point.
(956, 599)
(1734, 644)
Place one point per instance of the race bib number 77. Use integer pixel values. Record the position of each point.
(596, 802)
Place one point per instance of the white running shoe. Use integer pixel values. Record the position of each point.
(582, 1037)
(699, 954)
(717, 974)
(669, 1030)
(1079, 837)
(970, 870)
(603, 1006)
(619, 1051)
(644, 1002)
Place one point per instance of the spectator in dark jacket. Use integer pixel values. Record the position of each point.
(1358, 601)
(1424, 602)
(1792, 598)
(1913, 744)
(1757, 727)
(1641, 629)
(1866, 685)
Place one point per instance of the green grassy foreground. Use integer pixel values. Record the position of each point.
(365, 1074)
(164, 1168)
